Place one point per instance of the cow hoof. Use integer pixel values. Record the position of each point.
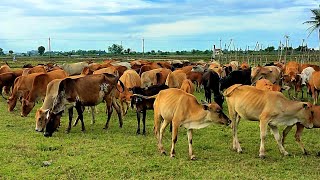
(262, 156)
(163, 153)
(193, 157)
(286, 154)
(172, 156)
(105, 128)
(318, 154)
(67, 131)
(138, 132)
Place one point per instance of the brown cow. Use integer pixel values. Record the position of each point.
(5, 68)
(265, 84)
(170, 107)
(89, 90)
(269, 107)
(38, 90)
(7, 80)
(291, 77)
(36, 69)
(314, 84)
(272, 73)
(300, 127)
(22, 86)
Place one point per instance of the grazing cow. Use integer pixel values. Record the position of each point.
(291, 77)
(175, 79)
(236, 77)
(142, 104)
(210, 81)
(272, 73)
(89, 90)
(7, 79)
(300, 127)
(22, 86)
(43, 111)
(170, 107)
(38, 90)
(74, 68)
(269, 107)
(187, 86)
(130, 79)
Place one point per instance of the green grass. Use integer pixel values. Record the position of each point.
(118, 153)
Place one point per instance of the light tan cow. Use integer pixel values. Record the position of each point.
(272, 73)
(265, 84)
(314, 84)
(187, 86)
(175, 79)
(269, 107)
(149, 78)
(170, 106)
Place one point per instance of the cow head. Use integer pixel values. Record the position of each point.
(259, 73)
(41, 119)
(197, 68)
(215, 113)
(306, 114)
(53, 123)
(26, 107)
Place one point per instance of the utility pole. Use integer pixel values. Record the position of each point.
(220, 52)
(287, 42)
(143, 47)
(49, 47)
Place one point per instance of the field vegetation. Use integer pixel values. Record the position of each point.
(118, 153)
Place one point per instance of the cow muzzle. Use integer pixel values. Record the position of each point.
(47, 134)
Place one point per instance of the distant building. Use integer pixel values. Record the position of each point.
(218, 52)
(32, 53)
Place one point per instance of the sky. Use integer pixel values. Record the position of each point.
(167, 25)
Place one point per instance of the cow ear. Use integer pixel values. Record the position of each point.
(305, 105)
(205, 107)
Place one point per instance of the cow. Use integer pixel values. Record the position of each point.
(175, 79)
(244, 65)
(265, 84)
(305, 77)
(150, 78)
(38, 90)
(291, 77)
(236, 77)
(170, 107)
(300, 127)
(314, 84)
(211, 83)
(74, 68)
(36, 69)
(196, 78)
(142, 104)
(272, 73)
(149, 67)
(5, 68)
(187, 86)
(89, 90)
(7, 80)
(22, 86)
(269, 107)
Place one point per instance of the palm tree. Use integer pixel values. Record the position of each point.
(315, 23)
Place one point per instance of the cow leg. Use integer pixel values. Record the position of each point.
(80, 115)
(93, 120)
(138, 121)
(298, 134)
(109, 112)
(277, 137)
(285, 133)
(119, 111)
(263, 133)
(70, 112)
(174, 138)
(192, 157)
(144, 113)
(235, 123)
(160, 145)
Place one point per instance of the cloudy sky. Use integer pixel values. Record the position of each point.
(167, 25)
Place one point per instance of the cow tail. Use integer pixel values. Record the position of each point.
(122, 86)
(228, 92)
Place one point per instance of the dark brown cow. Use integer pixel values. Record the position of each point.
(89, 90)
(38, 90)
(7, 80)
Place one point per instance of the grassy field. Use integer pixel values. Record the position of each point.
(118, 153)
(121, 154)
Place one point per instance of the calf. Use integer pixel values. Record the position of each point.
(142, 104)
(182, 109)
(269, 107)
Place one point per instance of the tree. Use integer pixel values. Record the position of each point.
(10, 52)
(270, 49)
(1, 52)
(314, 22)
(41, 50)
(115, 49)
